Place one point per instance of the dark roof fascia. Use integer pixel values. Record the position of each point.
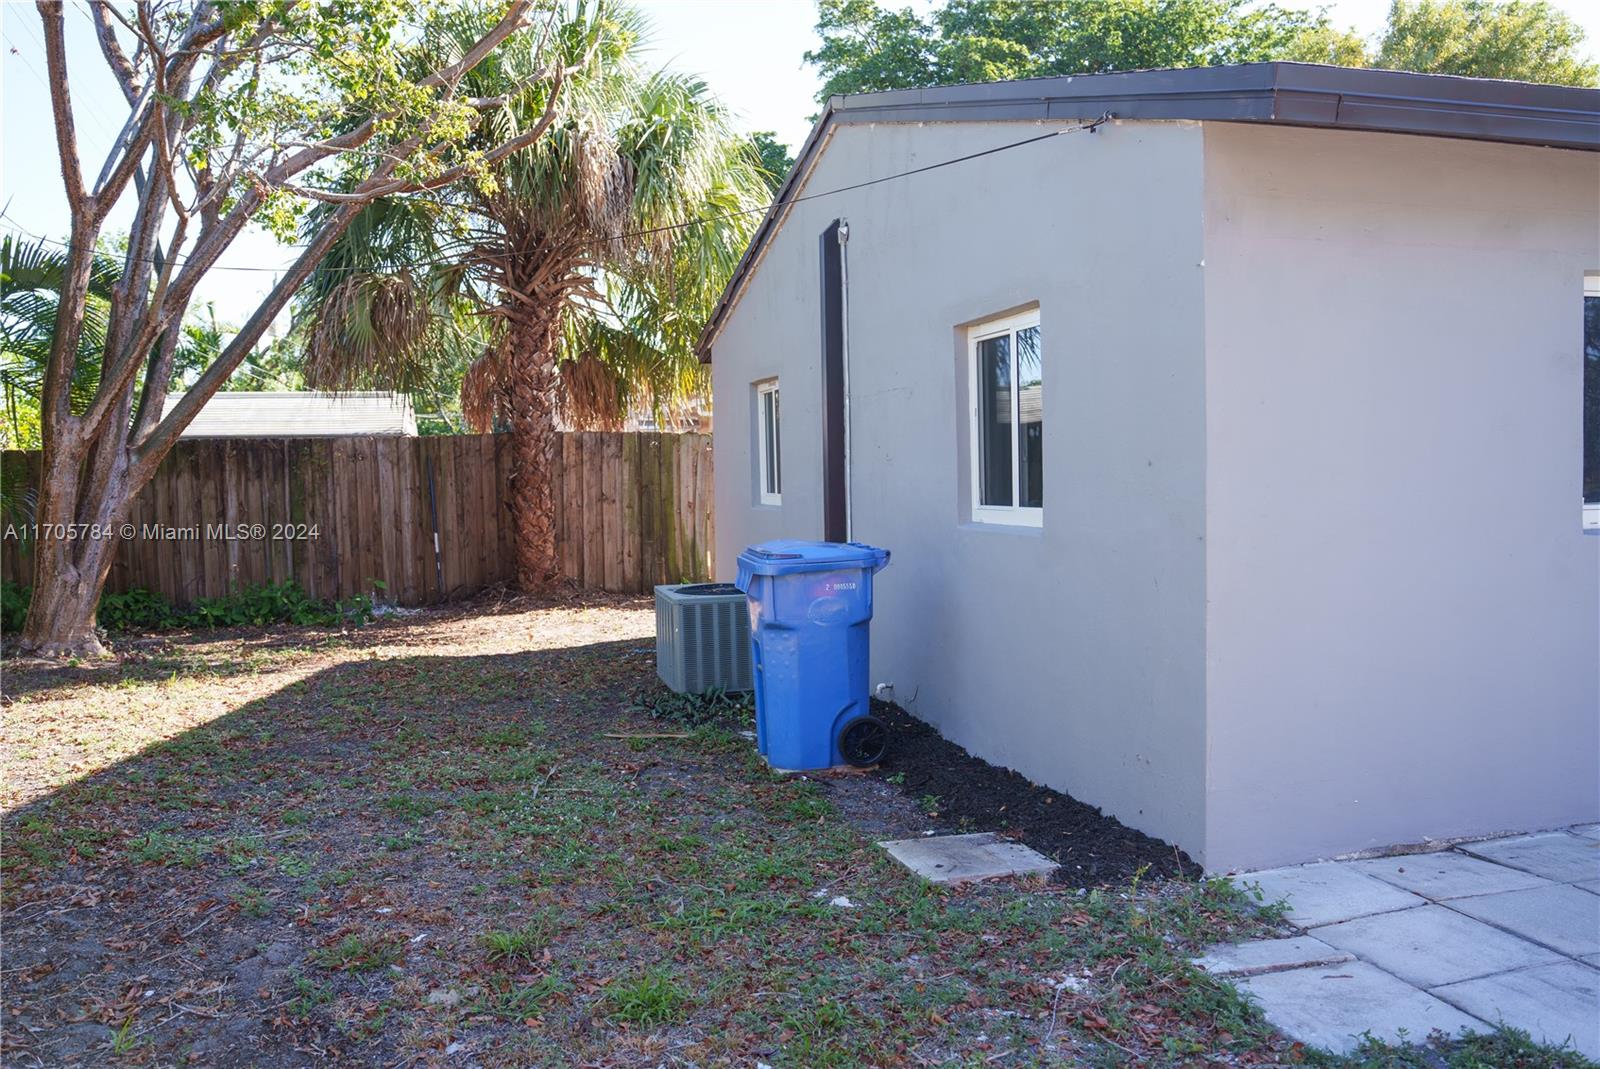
(1292, 94)
(1304, 94)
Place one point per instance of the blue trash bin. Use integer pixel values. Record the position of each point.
(810, 609)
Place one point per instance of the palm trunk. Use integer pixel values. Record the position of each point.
(528, 354)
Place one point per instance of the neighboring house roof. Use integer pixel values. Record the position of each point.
(300, 414)
(1292, 94)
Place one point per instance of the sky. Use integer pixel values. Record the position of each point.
(751, 53)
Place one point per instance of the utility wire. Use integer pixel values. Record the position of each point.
(651, 231)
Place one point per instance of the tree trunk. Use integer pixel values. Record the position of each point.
(528, 379)
(70, 564)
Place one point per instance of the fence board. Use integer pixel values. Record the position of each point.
(628, 488)
(631, 510)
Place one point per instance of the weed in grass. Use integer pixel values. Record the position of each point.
(714, 706)
(521, 1001)
(252, 902)
(929, 804)
(400, 843)
(1508, 1048)
(410, 807)
(678, 844)
(163, 848)
(123, 1041)
(309, 994)
(505, 737)
(291, 818)
(808, 808)
(359, 952)
(652, 998)
(519, 944)
(243, 851)
(293, 865)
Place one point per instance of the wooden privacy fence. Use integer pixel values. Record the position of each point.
(339, 516)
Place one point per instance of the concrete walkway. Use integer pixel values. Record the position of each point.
(1502, 931)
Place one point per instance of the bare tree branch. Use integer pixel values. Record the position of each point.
(55, 57)
(111, 48)
(158, 440)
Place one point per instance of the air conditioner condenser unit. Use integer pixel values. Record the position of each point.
(702, 638)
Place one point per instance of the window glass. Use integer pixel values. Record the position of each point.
(994, 420)
(1591, 392)
(1007, 420)
(769, 444)
(1030, 420)
(777, 445)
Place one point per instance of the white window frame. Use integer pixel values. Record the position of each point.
(1591, 510)
(1011, 515)
(764, 494)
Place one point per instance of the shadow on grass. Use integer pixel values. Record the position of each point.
(233, 892)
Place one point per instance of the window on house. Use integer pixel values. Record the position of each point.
(1591, 402)
(1006, 388)
(769, 448)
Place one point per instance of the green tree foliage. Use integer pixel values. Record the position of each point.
(867, 46)
(237, 113)
(775, 158)
(588, 262)
(1527, 40)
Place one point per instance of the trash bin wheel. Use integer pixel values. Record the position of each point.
(862, 741)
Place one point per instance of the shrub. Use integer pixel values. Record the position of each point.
(255, 606)
(13, 606)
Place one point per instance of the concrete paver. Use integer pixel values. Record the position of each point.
(1433, 945)
(966, 858)
(1555, 855)
(1270, 955)
(1486, 933)
(1331, 1007)
(1553, 1003)
(1327, 892)
(1558, 916)
(1447, 874)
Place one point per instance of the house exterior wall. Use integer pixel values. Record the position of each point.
(1072, 653)
(1403, 616)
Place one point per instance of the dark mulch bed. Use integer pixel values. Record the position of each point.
(973, 795)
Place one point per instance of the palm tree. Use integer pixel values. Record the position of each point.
(31, 273)
(584, 266)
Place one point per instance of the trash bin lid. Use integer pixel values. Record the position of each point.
(786, 556)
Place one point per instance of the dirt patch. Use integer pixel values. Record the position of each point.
(965, 793)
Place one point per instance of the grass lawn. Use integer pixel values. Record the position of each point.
(420, 843)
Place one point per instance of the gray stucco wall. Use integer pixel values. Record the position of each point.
(1073, 653)
(1403, 624)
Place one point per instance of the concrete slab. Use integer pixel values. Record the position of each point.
(1327, 892)
(1592, 886)
(965, 858)
(1559, 916)
(1331, 1007)
(1592, 959)
(1269, 955)
(1448, 874)
(1433, 945)
(1554, 855)
(1554, 1003)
